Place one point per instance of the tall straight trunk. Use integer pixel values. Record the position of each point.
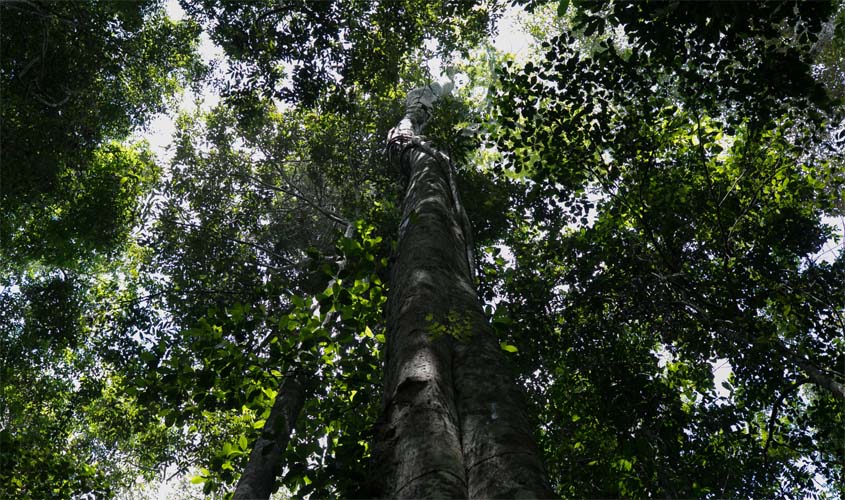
(266, 459)
(454, 423)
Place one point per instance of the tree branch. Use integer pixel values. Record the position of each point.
(242, 242)
(296, 194)
(775, 410)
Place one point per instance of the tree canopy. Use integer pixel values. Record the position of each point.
(656, 197)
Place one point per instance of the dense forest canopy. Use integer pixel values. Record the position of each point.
(655, 191)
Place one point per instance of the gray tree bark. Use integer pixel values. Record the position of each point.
(266, 459)
(454, 423)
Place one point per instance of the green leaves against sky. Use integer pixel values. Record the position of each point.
(652, 193)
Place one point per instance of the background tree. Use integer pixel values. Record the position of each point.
(76, 80)
(299, 51)
(246, 232)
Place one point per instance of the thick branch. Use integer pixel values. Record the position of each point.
(816, 375)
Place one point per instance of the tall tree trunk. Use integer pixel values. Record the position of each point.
(266, 460)
(454, 423)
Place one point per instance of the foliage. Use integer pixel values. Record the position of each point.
(75, 78)
(68, 427)
(298, 51)
(676, 205)
(650, 211)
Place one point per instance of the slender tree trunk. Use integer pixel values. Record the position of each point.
(267, 457)
(266, 460)
(454, 423)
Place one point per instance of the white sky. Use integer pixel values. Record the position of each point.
(511, 38)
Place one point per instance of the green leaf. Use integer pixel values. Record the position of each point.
(562, 7)
(508, 347)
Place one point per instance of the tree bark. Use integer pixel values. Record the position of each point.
(454, 423)
(266, 459)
